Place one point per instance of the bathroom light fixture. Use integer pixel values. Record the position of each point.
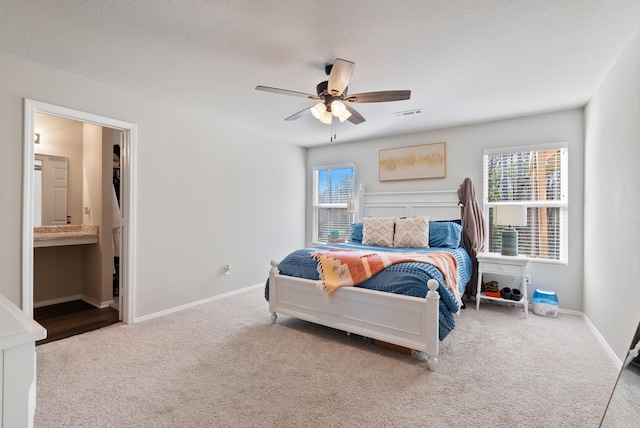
(36, 138)
(510, 215)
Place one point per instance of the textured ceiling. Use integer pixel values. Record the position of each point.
(465, 61)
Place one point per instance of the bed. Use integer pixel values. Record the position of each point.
(408, 304)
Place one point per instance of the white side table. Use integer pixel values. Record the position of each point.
(503, 265)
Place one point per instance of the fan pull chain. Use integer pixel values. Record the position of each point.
(333, 130)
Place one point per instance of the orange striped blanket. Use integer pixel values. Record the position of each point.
(340, 268)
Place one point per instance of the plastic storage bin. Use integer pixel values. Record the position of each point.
(545, 302)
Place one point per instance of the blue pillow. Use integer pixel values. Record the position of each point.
(356, 233)
(444, 234)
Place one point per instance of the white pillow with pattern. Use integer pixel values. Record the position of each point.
(378, 231)
(412, 232)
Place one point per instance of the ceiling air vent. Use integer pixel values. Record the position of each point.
(408, 112)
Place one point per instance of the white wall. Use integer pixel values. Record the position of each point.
(209, 193)
(465, 145)
(612, 203)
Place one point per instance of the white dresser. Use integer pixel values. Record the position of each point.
(18, 335)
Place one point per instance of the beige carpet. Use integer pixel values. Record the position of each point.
(623, 410)
(223, 364)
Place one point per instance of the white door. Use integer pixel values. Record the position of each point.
(54, 189)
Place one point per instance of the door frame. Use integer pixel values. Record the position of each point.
(128, 200)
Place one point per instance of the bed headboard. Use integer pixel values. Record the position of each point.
(437, 205)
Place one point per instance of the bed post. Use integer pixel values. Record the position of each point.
(360, 204)
(272, 290)
(430, 356)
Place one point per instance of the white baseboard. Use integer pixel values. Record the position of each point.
(57, 300)
(603, 342)
(605, 345)
(65, 299)
(98, 304)
(196, 303)
(570, 312)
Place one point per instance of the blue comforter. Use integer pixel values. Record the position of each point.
(403, 278)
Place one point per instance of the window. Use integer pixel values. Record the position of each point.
(332, 197)
(537, 178)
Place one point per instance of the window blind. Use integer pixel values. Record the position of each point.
(333, 187)
(536, 178)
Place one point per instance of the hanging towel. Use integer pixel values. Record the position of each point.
(473, 227)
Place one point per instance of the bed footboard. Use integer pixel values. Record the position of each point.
(411, 322)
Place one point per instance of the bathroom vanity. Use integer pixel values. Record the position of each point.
(61, 235)
(67, 265)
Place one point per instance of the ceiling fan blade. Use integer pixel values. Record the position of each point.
(339, 77)
(378, 97)
(287, 92)
(299, 114)
(355, 117)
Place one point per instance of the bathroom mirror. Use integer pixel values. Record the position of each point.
(65, 148)
(50, 190)
(624, 405)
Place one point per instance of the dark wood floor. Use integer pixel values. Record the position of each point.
(68, 319)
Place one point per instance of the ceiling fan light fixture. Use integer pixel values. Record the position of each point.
(344, 116)
(318, 110)
(333, 98)
(326, 118)
(337, 108)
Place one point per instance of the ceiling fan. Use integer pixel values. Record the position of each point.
(332, 95)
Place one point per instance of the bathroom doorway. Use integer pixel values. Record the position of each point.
(126, 136)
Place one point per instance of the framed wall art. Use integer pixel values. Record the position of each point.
(414, 162)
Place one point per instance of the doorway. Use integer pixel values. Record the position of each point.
(127, 200)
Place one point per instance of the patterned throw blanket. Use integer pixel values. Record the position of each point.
(340, 268)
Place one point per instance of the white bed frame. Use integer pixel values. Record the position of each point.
(410, 322)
